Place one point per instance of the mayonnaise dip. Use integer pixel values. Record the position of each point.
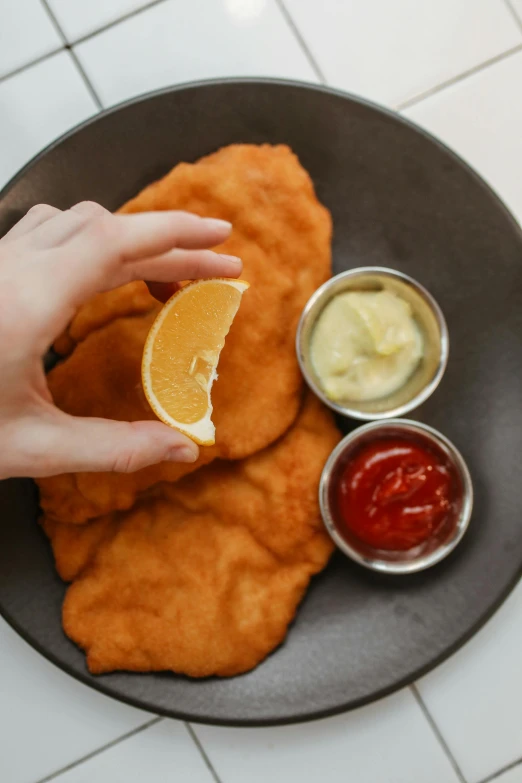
(365, 345)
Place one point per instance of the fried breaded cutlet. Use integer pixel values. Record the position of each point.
(283, 234)
(204, 576)
(131, 299)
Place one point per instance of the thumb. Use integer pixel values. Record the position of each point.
(73, 444)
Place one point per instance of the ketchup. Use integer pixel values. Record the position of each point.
(395, 494)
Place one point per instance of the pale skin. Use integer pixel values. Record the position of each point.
(50, 263)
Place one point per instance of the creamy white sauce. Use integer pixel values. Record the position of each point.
(365, 345)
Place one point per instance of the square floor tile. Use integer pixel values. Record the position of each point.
(26, 32)
(387, 742)
(517, 7)
(79, 17)
(175, 42)
(48, 719)
(392, 51)
(36, 106)
(511, 776)
(164, 753)
(475, 697)
(481, 118)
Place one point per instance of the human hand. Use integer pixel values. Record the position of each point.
(50, 263)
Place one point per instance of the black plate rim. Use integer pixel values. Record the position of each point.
(390, 114)
(98, 683)
(294, 718)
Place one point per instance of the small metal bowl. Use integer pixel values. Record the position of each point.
(429, 318)
(435, 548)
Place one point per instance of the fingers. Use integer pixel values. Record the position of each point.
(93, 445)
(89, 250)
(59, 225)
(89, 209)
(130, 238)
(171, 229)
(69, 224)
(92, 230)
(189, 265)
(67, 257)
(191, 232)
(37, 215)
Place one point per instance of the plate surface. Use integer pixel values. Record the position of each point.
(398, 199)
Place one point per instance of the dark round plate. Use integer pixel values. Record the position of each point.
(399, 199)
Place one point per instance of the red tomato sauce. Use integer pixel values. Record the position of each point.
(395, 494)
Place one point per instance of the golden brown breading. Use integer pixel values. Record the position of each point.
(74, 546)
(131, 299)
(268, 196)
(107, 365)
(282, 233)
(202, 577)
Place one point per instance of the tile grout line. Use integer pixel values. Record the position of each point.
(404, 105)
(459, 78)
(67, 45)
(435, 729)
(202, 752)
(301, 41)
(117, 21)
(501, 771)
(86, 80)
(280, 3)
(30, 64)
(100, 750)
(514, 14)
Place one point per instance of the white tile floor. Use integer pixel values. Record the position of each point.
(455, 67)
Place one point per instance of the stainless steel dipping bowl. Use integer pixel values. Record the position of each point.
(428, 317)
(435, 548)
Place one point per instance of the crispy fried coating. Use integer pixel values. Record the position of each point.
(108, 362)
(131, 299)
(282, 233)
(74, 546)
(204, 576)
(267, 195)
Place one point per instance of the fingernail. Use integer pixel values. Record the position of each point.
(182, 454)
(232, 259)
(220, 224)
